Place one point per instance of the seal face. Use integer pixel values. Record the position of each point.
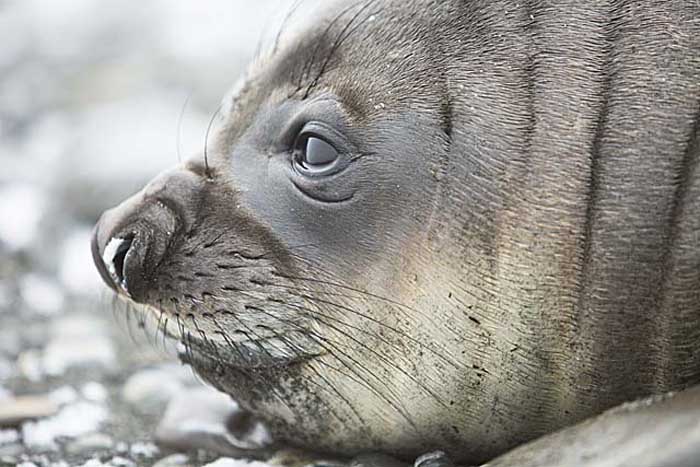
(437, 225)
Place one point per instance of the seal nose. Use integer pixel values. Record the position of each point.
(130, 241)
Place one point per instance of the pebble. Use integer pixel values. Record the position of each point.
(63, 395)
(117, 461)
(152, 389)
(121, 447)
(5, 297)
(94, 391)
(90, 443)
(64, 352)
(10, 452)
(10, 341)
(147, 450)
(29, 364)
(8, 437)
(7, 370)
(25, 205)
(200, 418)
(41, 294)
(77, 341)
(72, 421)
(15, 411)
(173, 460)
(93, 463)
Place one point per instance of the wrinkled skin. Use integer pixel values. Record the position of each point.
(510, 242)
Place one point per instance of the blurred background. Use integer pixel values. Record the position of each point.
(96, 97)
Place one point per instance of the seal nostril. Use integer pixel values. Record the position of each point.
(114, 258)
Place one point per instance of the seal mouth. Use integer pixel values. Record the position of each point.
(197, 349)
(200, 354)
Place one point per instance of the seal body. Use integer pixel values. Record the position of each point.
(497, 235)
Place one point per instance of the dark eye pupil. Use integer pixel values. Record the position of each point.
(318, 152)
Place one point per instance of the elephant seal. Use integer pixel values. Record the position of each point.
(447, 224)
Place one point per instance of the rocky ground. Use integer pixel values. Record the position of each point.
(76, 389)
(96, 98)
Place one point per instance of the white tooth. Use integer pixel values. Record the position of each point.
(108, 256)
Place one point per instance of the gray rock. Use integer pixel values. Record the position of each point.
(174, 460)
(146, 450)
(43, 295)
(117, 461)
(63, 353)
(27, 464)
(74, 420)
(10, 452)
(10, 341)
(29, 365)
(15, 411)
(77, 341)
(203, 418)
(6, 297)
(150, 390)
(8, 436)
(25, 204)
(94, 391)
(63, 396)
(90, 443)
(7, 371)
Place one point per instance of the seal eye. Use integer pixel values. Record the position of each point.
(314, 154)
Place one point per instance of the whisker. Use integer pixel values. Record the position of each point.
(206, 140)
(179, 127)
